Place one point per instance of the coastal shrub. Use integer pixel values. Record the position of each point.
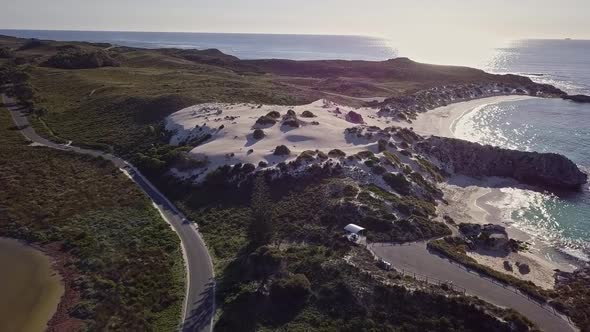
(266, 120)
(381, 145)
(294, 123)
(350, 191)
(322, 155)
(404, 230)
(248, 168)
(30, 44)
(365, 154)
(406, 153)
(379, 170)
(258, 134)
(336, 153)
(408, 205)
(282, 150)
(572, 295)
(308, 114)
(80, 59)
(105, 228)
(430, 168)
(306, 155)
(273, 115)
(292, 289)
(6, 53)
(407, 169)
(397, 182)
(425, 184)
(392, 158)
(262, 164)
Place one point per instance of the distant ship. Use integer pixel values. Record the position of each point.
(568, 39)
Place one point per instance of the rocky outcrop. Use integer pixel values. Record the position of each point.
(548, 170)
(577, 98)
(408, 106)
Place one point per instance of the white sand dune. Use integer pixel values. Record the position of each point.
(232, 127)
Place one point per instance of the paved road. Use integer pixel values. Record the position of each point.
(199, 306)
(415, 258)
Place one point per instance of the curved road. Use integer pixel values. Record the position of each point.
(416, 258)
(199, 306)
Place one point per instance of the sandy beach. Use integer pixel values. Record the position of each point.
(476, 200)
(441, 121)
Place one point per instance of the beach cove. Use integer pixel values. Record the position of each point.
(486, 200)
(31, 289)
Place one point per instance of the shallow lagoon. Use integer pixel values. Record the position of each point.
(30, 288)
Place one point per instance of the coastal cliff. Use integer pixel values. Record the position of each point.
(547, 170)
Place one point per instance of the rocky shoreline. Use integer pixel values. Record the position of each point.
(546, 170)
(407, 107)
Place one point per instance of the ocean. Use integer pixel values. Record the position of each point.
(244, 46)
(542, 125)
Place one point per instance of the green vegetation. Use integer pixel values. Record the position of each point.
(456, 249)
(307, 155)
(308, 114)
(397, 182)
(282, 150)
(408, 205)
(76, 58)
(278, 249)
(427, 166)
(392, 158)
(572, 296)
(126, 260)
(258, 134)
(425, 184)
(384, 227)
(336, 153)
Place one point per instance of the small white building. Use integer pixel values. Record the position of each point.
(354, 229)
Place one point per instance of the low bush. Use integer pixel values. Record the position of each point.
(266, 120)
(273, 115)
(397, 182)
(308, 114)
(282, 150)
(6, 53)
(336, 153)
(258, 134)
(80, 59)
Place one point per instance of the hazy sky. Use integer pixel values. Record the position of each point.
(411, 24)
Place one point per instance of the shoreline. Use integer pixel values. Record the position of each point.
(59, 318)
(470, 200)
(442, 121)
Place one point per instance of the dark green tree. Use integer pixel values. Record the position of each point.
(261, 228)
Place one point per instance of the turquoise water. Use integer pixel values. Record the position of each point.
(543, 125)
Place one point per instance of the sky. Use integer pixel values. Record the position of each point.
(417, 25)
